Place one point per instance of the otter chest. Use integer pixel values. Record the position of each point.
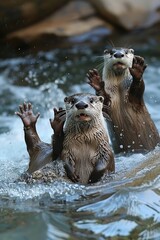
(118, 99)
(82, 154)
(80, 150)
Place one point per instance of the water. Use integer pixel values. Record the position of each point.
(126, 206)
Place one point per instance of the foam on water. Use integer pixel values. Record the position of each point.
(14, 161)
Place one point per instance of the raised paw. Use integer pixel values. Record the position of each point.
(138, 68)
(94, 79)
(29, 119)
(58, 121)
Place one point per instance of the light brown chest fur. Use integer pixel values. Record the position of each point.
(83, 150)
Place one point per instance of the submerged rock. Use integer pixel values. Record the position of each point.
(75, 22)
(76, 18)
(21, 13)
(129, 14)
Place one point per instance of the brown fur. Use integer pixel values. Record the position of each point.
(86, 148)
(131, 129)
(83, 147)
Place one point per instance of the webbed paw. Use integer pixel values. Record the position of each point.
(138, 68)
(58, 121)
(94, 79)
(29, 119)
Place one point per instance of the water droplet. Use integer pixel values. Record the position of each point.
(55, 65)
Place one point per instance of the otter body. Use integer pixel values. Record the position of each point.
(80, 141)
(131, 128)
(86, 149)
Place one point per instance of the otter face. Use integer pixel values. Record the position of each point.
(118, 60)
(83, 107)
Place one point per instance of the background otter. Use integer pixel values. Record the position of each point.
(122, 86)
(85, 150)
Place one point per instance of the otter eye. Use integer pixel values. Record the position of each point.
(72, 101)
(91, 100)
(101, 99)
(65, 99)
(126, 51)
(112, 51)
(131, 50)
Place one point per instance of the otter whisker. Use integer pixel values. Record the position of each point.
(111, 43)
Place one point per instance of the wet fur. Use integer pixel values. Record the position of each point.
(86, 146)
(131, 129)
(84, 155)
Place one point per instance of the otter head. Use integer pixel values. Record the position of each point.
(83, 108)
(117, 61)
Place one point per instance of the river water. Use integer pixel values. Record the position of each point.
(126, 206)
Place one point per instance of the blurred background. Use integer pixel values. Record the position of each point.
(36, 24)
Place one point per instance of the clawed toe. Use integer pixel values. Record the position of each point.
(92, 73)
(27, 115)
(25, 107)
(139, 61)
(138, 68)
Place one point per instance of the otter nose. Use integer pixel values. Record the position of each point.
(118, 55)
(81, 105)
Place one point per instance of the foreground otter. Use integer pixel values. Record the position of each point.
(131, 129)
(85, 150)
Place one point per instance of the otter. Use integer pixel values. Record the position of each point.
(86, 150)
(80, 140)
(131, 129)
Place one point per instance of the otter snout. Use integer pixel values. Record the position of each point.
(81, 105)
(118, 54)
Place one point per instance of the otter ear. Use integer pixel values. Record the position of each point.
(65, 99)
(101, 99)
(131, 50)
(106, 51)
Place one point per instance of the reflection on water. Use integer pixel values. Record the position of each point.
(127, 204)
